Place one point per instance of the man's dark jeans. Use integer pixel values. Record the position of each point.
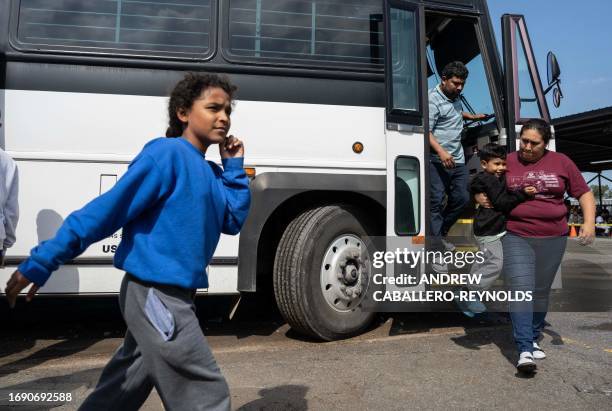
(452, 182)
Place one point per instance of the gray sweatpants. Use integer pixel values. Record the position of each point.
(492, 265)
(165, 348)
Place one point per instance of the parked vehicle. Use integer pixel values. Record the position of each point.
(332, 106)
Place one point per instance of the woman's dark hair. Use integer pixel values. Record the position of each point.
(187, 91)
(455, 69)
(491, 151)
(539, 125)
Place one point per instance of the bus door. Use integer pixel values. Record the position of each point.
(419, 44)
(523, 88)
(467, 37)
(406, 108)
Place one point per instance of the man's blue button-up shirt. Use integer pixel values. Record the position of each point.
(446, 124)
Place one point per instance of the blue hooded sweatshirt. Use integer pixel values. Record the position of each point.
(173, 206)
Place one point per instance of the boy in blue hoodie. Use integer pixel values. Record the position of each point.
(173, 205)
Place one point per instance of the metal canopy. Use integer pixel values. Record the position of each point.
(586, 138)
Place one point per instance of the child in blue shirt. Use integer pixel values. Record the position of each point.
(173, 205)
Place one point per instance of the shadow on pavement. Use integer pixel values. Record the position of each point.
(59, 350)
(491, 328)
(62, 317)
(69, 325)
(253, 315)
(557, 339)
(283, 397)
(61, 384)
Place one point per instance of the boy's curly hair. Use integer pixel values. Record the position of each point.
(187, 91)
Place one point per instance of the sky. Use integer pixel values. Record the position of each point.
(580, 35)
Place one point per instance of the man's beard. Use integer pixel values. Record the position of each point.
(456, 94)
(452, 94)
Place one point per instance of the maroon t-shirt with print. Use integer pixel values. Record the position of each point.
(553, 175)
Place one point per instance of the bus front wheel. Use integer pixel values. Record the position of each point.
(322, 272)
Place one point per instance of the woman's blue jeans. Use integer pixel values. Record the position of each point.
(530, 264)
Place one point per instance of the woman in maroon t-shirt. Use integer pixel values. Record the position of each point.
(537, 231)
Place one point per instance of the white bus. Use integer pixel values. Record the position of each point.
(332, 106)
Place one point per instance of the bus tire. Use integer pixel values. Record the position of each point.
(315, 294)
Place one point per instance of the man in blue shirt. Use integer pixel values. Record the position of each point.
(448, 173)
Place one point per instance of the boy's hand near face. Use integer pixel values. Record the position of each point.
(232, 147)
(530, 191)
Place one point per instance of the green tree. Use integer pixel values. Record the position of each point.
(606, 192)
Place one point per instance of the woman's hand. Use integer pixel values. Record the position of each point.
(15, 285)
(530, 191)
(587, 234)
(587, 230)
(482, 200)
(232, 147)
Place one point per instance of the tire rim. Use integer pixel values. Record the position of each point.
(345, 273)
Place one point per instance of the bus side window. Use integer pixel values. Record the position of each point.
(307, 33)
(407, 187)
(130, 27)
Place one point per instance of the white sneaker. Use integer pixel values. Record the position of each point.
(525, 363)
(538, 353)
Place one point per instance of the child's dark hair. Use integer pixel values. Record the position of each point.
(491, 151)
(187, 91)
(539, 125)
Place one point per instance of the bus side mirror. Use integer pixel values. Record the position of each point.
(554, 74)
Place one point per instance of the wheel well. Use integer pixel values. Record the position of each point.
(276, 224)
